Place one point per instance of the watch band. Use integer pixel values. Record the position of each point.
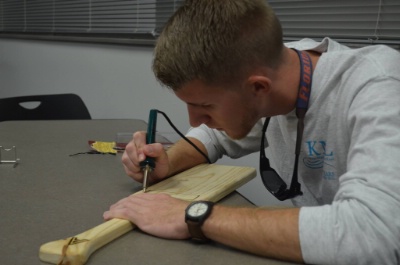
(196, 232)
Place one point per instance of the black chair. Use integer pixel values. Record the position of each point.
(51, 107)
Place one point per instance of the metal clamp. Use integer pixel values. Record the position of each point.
(8, 159)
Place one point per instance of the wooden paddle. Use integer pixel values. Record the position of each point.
(203, 182)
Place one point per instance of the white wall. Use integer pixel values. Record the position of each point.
(116, 82)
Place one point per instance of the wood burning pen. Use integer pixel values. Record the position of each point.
(148, 164)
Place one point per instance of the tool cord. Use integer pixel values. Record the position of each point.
(184, 137)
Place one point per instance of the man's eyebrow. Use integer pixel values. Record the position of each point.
(197, 104)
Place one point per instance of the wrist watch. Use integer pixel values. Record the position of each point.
(195, 215)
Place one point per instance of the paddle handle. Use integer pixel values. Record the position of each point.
(77, 250)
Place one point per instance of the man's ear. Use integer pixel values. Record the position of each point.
(259, 84)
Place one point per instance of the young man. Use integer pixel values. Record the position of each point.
(226, 60)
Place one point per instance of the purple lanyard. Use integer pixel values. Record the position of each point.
(304, 90)
(303, 96)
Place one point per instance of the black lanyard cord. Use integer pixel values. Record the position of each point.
(302, 101)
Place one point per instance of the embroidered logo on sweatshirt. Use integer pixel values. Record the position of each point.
(318, 157)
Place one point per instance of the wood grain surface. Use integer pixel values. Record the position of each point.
(203, 182)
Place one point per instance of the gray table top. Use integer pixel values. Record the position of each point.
(51, 195)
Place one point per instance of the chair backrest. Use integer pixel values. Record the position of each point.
(51, 107)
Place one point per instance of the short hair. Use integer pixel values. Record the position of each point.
(217, 41)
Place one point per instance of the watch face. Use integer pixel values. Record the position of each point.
(197, 209)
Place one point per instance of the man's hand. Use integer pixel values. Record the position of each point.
(156, 214)
(137, 150)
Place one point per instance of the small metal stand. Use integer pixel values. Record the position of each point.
(6, 158)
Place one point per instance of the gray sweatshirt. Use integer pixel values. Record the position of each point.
(349, 167)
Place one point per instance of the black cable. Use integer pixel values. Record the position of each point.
(184, 137)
